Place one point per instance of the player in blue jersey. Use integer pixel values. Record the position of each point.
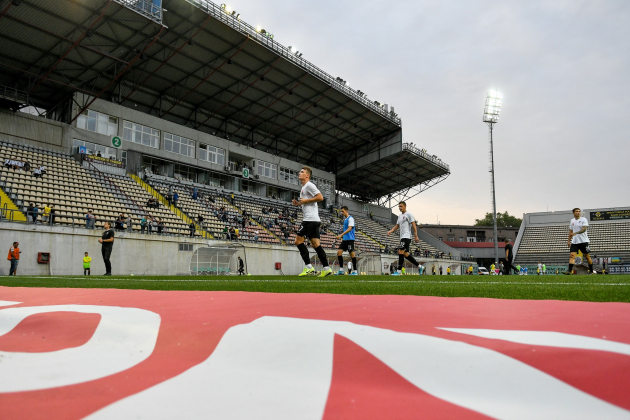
(347, 243)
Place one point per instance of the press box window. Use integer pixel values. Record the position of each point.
(185, 247)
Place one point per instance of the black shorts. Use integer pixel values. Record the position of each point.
(584, 247)
(347, 245)
(309, 230)
(404, 244)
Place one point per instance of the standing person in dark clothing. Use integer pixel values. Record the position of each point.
(107, 242)
(241, 267)
(509, 256)
(192, 227)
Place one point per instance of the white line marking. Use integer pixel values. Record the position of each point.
(236, 279)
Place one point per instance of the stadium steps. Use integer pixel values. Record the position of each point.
(172, 208)
(7, 204)
(273, 235)
(115, 192)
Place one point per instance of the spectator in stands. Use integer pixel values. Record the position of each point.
(191, 226)
(98, 154)
(152, 203)
(89, 220)
(175, 198)
(37, 173)
(200, 221)
(232, 199)
(232, 234)
(130, 223)
(35, 213)
(46, 215)
(226, 233)
(371, 216)
(236, 234)
(153, 225)
(14, 258)
(8, 164)
(120, 221)
(27, 166)
(160, 226)
(107, 245)
(143, 224)
(169, 196)
(29, 213)
(195, 194)
(42, 169)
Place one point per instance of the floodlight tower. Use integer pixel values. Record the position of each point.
(491, 117)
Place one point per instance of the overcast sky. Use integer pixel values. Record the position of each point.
(563, 139)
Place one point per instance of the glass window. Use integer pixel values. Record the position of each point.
(210, 153)
(98, 123)
(140, 134)
(268, 170)
(289, 175)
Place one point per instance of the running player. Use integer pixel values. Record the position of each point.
(405, 222)
(309, 197)
(347, 244)
(578, 240)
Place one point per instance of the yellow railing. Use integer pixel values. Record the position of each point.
(17, 215)
(169, 206)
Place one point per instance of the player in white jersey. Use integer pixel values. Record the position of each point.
(309, 197)
(406, 221)
(578, 240)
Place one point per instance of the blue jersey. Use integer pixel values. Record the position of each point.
(348, 222)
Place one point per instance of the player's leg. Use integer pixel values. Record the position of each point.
(354, 262)
(301, 246)
(342, 247)
(571, 260)
(411, 259)
(587, 253)
(326, 271)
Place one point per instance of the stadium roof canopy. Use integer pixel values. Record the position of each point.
(196, 64)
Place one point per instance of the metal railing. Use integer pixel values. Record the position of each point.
(409, 147)
(267, 41)
(147, 8)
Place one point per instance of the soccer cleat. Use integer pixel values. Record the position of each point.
(354, 273)
(307, 271)
(396, 273)
(568, 273)
(325, 273)
(340, 273)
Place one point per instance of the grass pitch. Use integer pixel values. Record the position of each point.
(597, 288)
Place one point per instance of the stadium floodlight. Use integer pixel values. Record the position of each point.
(494, 99)
(493, 106)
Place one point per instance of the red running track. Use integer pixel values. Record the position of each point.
(76, 353)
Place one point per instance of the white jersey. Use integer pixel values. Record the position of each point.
(404, 222)
(311, 213)
(576, 226)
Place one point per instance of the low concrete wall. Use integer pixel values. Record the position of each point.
(132, 253)
(159, 255)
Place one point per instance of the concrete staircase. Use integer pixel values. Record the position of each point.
(169, 206)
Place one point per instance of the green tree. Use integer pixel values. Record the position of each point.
(503, 220)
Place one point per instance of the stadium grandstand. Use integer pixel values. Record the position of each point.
(543, 238)
(117, 107)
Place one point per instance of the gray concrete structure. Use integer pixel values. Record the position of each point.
(138, 254)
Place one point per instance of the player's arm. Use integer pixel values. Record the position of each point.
(415, 231)
(393, 230)
(319, 197)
